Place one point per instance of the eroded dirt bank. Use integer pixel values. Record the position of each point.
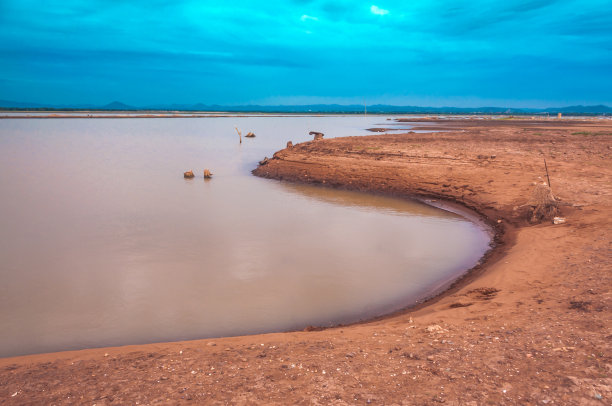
(531, 326)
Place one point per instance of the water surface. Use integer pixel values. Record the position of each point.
(102, 241)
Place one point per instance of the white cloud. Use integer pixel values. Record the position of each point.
(378, 11)
(307, 17)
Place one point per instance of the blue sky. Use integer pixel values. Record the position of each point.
(430, 53)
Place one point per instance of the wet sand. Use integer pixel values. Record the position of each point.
(530, 325)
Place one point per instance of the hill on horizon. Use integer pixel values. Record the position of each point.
(316, 108)
(117, 105)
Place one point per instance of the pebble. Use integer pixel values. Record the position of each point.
(434, 328)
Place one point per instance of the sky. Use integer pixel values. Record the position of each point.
(510, 53)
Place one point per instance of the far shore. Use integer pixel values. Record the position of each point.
(531, 324)
(430, 117)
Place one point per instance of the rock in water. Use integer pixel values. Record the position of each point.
(207, 174)
(250, 134)
(188, 175)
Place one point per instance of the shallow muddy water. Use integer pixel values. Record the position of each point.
(102, 241)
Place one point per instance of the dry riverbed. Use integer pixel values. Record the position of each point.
(530, 325)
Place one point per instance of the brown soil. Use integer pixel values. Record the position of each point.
(531, 325)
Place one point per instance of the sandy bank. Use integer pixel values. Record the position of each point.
(531, 326)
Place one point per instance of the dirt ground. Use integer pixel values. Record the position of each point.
(530, 325)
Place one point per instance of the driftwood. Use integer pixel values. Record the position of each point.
(317, 135)
(239, 134)
(188, 175)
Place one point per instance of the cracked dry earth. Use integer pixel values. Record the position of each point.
(530, 325)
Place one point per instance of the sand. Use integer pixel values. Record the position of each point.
(530, 325)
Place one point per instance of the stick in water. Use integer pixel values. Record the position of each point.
(547, 177)
(239, 134)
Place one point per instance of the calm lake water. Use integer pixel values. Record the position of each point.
(102, 241)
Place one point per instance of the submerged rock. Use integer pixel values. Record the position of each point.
(188, 175)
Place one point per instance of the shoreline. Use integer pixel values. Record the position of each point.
(503, 235)
(498, 241)
(531, 324)
(502, 238)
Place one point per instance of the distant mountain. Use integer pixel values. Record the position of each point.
(117, 106)
(600, 109)
(18, 105)
(316, 108)
(389, 109)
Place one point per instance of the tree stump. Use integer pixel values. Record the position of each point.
(317, 135)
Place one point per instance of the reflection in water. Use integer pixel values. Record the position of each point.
(102, 241)
(367, 201)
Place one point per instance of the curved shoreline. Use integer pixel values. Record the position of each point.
(502, 238)
(531, 325)
(503, 234)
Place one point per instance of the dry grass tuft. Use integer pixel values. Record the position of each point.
(544, 205)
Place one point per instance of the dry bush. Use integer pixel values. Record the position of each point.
(544, 205)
